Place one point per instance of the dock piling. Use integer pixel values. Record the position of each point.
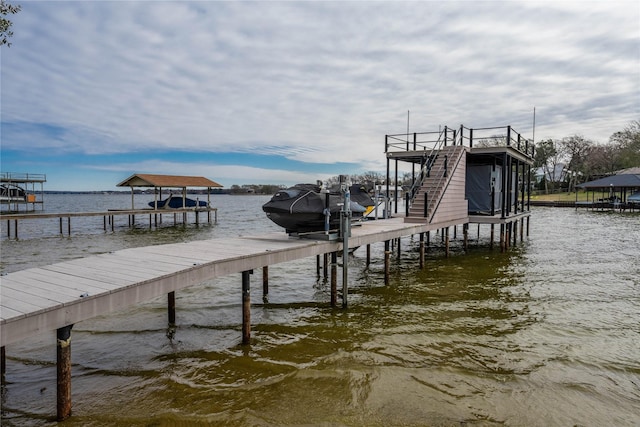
(63, 356)
(265, 284)
(334, 279)
(246, 307)
(421, 251)
(387, 254)
(171, 302)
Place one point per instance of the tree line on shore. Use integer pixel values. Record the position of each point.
(575, 159)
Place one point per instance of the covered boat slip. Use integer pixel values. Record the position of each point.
(617, 192)
(158, 182)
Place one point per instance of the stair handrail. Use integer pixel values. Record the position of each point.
(426, 169)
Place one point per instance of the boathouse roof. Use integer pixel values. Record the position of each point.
(619, 181)
(167, 181)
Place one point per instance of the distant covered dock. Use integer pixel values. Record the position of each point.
(160, 182)
(620, 191)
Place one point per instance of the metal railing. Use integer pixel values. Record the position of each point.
(22, 177)
(502, 136)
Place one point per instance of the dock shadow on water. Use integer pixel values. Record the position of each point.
(544, 334)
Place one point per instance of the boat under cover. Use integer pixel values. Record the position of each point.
(177, 202)
(301, 208)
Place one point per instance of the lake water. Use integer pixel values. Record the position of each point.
(547, 333)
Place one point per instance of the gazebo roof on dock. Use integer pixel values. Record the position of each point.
(167, 181)
(617, 181)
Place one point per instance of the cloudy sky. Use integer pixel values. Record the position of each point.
(286, 92)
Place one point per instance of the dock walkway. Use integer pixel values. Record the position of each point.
(46, 298)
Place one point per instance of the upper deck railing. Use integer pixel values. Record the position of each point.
(22, 177)
(504, 136)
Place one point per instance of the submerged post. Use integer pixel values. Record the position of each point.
(246, 307)
(63, 356)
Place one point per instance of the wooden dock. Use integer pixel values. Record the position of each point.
(108, 217)
(46, 298)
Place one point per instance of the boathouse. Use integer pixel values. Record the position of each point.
(464, 175)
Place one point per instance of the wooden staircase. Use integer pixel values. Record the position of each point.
(436, 185)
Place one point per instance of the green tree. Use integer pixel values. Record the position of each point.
(5, 24)
(627, 142)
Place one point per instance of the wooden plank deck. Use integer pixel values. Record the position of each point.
(46, 298)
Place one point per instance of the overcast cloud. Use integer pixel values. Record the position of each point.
(208, 88)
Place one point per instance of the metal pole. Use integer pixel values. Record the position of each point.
(346, 232)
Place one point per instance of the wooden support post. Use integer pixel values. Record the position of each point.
(265, 284)
(478, 231)
(63, 355)
(421, 251)
(8, 229)
(60, 225)
(492, 238)
(368, 254)
(171, 304)
(521, 230)
(150, 222)
(528, 226)
(68, 226)
(325, 265)
(104, 220)
(334, 279)
(387, 255)
(455, 232)
(446, 242)
(318, 265)
(112, 222)
(246, 307)
(502, 248)
(465, 233)
(428, 238)
(507, 235)
(197, 217)
(515, 232)
(15, 226)
(3, 364)
(398, 248)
